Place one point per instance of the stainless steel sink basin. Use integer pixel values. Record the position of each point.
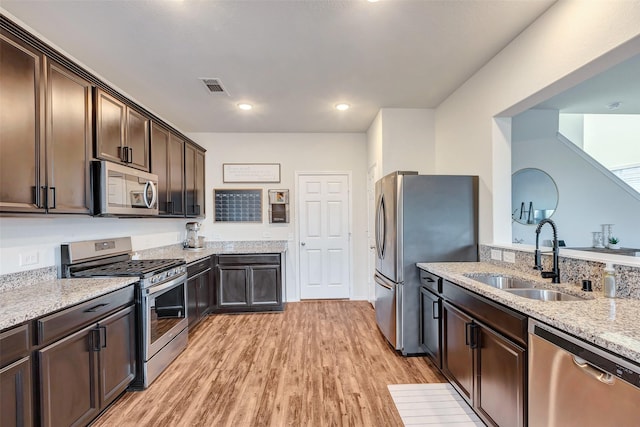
(544, 295)
(501, 282)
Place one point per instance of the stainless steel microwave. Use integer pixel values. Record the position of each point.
(123, 191)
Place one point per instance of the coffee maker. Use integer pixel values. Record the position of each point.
(193, 241)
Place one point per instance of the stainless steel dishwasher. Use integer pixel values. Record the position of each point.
(573, 383)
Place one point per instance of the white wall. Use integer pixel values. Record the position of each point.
(613, 139)
(408, 140)
(569, 43)
(296, 152)
(586, 197)
(42, 235)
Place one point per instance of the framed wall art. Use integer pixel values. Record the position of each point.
(250, 172)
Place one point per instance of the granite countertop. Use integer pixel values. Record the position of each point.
(19, 305)
(608, 323)
(215, 248)
(29, 295)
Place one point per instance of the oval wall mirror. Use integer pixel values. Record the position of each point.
(534, 196)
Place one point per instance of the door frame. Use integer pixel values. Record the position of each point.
(297, 175)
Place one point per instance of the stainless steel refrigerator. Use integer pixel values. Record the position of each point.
(419, 218)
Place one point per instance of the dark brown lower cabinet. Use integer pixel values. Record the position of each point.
(500, 368)
(16, 392)
(487, 369)
(85, 371)
(457, 353)
(430, 325)
(249, 283)
(200, 289)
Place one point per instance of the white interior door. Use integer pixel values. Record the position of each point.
(324, 231)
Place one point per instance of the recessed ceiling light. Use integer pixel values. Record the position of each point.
(614, 105)
(342, 107)
(245, 106)
(372, 1)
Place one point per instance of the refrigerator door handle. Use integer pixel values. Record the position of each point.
(381, 228)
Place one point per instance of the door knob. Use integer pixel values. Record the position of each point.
(302, 243)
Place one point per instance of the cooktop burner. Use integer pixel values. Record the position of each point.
(131, 268)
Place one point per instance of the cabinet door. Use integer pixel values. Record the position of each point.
(117, 354)
(68, 140)
(457, 354)
(232, 286)
(110, 127)
(264, 285)
(15, 389)
(160, 165)
(190, 179)
(194, 181)
(199, 184)
(69, 380)
(192, 300)
(500, 372)
(204, 294)
(430, 325)
(137, 140)
(20, 127)
(176, 176)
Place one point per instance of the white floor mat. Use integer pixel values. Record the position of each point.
(432, 405)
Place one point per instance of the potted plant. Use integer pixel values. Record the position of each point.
(614, 243)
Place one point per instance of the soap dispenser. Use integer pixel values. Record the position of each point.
(609, 281)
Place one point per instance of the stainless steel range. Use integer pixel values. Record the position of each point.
(161, 297)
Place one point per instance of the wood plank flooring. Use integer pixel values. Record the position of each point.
(319, 363)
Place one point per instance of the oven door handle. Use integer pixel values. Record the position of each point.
(166, 285)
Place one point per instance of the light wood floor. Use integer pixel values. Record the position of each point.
(320, 363)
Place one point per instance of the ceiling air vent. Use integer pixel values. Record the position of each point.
(214, 86)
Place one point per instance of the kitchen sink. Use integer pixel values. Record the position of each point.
(544, 295)
(501, 282)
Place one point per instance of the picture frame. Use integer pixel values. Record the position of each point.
(250, 173)
(277, 197)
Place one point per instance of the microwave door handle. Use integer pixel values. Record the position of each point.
(154, 194)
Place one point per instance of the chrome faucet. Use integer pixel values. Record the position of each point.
(555, 273)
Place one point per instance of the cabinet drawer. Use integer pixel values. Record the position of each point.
(249, 259)
(14, 344)
(431, 281)
(507, 321)
(59, 324)
(198, 266)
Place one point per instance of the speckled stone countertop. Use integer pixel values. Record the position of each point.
(31, 294)
(19, 305)
(216, 248)
(608, 323)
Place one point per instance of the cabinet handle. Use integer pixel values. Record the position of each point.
(474, 336)
(436, 309)
(122, 153)
(95, 308)
(94, 341)
(45, 195)
(104, 334)
(130, 155)
(170, 207)
(53, 193)
(466, 334)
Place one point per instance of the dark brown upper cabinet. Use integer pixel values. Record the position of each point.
(122, 133)
(167, 161)
(194, 179)
(45, 133)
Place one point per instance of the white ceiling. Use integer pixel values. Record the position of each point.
(292, 59)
